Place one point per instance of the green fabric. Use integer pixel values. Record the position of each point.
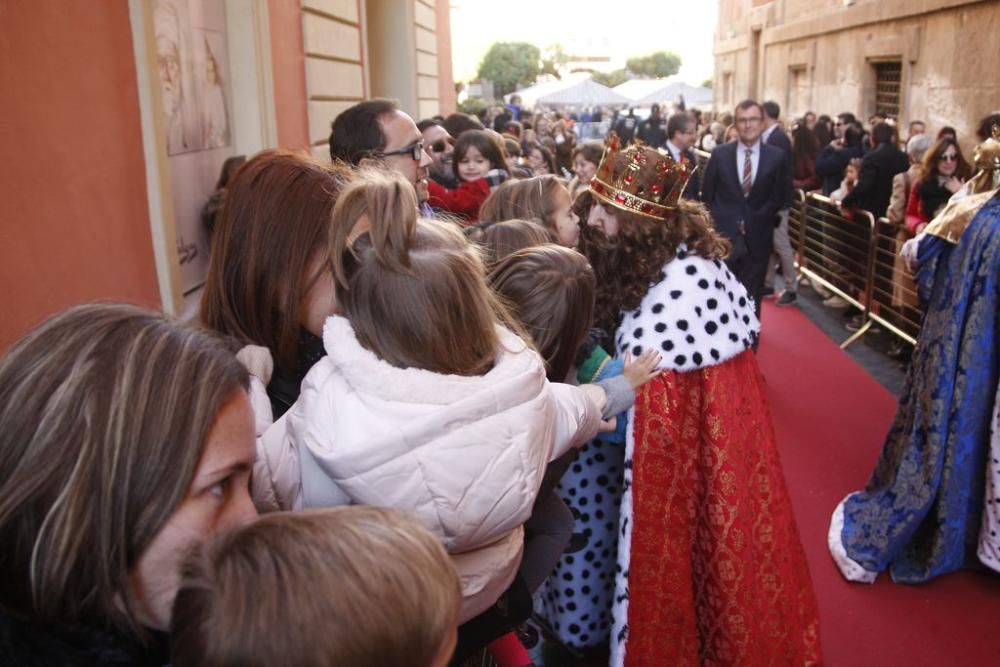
(589, 369)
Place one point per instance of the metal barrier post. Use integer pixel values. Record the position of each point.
(838, 254)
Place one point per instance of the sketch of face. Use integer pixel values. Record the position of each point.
(211, 66)
(168, 58)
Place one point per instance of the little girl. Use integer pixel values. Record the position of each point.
(479, 164)
(543, 199)
(552, 291)
(851, 172)
(426, 401)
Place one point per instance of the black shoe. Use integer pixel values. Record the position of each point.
(855, 323)
(788, 297)
(768, 291)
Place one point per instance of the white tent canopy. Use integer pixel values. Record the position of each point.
(586, 93)
(575, 90)
(644, 92)
(529, 96)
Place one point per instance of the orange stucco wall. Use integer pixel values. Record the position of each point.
(288, 63)
(74, 223)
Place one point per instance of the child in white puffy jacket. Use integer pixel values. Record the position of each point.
(426, 400)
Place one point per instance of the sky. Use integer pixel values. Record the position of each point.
(641, 26)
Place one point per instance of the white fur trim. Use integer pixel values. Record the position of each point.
(851, 569)
(619, 623)
(989, 535)
(697, 314)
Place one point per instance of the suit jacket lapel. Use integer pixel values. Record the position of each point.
(763, 168)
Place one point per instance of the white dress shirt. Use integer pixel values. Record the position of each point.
(675, 152)
(766, 134)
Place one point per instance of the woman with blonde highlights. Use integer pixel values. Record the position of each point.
(125, 439)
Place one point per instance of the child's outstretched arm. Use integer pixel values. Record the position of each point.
(642, 370)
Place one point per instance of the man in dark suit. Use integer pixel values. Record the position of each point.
(744, 188)
(681, 135)
(874, 187)
(774, 135)
(651, 130)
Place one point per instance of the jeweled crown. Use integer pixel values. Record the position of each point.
(640, 179)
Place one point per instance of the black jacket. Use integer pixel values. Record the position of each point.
(831, 163)
(874, 187)
(653, 132)
(779, 139)
(722, 192)
(26, 643)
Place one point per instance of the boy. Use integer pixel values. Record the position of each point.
(341, 586)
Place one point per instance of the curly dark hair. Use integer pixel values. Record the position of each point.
(628, 263)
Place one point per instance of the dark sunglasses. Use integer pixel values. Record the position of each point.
(948, 157)
(440, 145)
(414, 150)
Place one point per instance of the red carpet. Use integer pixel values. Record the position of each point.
(831, 418)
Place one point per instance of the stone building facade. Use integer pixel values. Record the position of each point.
(931, 60)
(118, 116)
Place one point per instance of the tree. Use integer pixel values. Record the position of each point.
(655, 65)
(507, 64)
(707, 83)
(554, 59)
(612, 79)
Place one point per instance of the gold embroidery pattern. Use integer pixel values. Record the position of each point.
(717, 573)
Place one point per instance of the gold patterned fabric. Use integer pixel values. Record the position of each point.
(717, 574)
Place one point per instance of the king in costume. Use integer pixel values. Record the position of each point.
(932, 505)
(710, 569)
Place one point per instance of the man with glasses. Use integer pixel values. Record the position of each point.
(744, 188)
(377, 132)
(441, 147)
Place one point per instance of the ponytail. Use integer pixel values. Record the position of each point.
(383, 205)
(414, 290)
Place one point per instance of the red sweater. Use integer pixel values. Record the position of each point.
(464, 201)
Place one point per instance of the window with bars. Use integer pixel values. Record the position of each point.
(888, 77)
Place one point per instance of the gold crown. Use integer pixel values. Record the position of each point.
(640, 179)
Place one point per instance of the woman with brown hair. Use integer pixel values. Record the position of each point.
(586, 157)
(539, 159)
(543, 199)
(269, 281)
(701, 463)
(501, 239)
(945, 171)
(125, 439)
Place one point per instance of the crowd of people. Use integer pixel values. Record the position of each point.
(471, 377)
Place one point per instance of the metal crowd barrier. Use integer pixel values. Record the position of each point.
(895, 305)
(855, 256)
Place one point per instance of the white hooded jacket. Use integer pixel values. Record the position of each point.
(465, 455)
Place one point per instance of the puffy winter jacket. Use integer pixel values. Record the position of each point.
(465, 455)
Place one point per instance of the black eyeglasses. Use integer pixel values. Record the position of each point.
(440, 145)
(948, 157)
(414, 150)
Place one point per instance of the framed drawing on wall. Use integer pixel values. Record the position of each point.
(204, 75)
